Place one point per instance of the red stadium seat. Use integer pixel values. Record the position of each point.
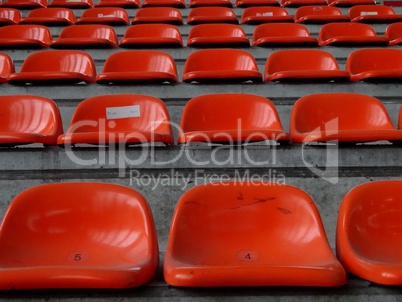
(265, 14)
(373, 14)
(221, 65)
(104, 15)
(211, 14)
(169, 15)
(248, 3)
(50, 16)
(55, 67)
(28, 119)
(119, 119)
(319, 15)
(217, 35)
(298, 3)
(317, 65)
(78, 235)
(249, 233)
(76, 4)
(141, 66)
(118, 3)
(25, 36)
(171, 3)
(9, 16)
(87, 35)
(200, 3)
(24, 4)
(350, 2)
(6, 67)
(394, 33)
(344, 117)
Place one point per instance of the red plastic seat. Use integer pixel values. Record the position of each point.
(339, 34)
(200, 3)
(77, 235)
(247, 118)
(119, 119)
(118, 3)
(394, 33)
(171, 3)
(9, 16)
(373, 14)
(221, 65)
(71, 3)
(213, 14)
(248, 3)
(350, 2)
(217, 35)
(28, 119)
(25, 36)
(282, 34)
(319, 15)
(6, 67)
(24, 4)
(104, 15)
(378, 64)
(316, 65)
(86, 35)
(50, 16)
(249, 234)
(298, 3)
(265, 14)
(138, 66)
(345, 117)
(55, 67)
(400, 119)
(151, 35)
(368, 232)
(169, 15)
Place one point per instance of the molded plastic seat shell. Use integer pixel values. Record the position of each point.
(265, 14)
(50, 16)
(350, 2)
(373, 14)
(104, 15)
(138, 66)
(345, 117)
(6, 67)
(118, 3)
(9, 16)
(217, 35)
(151, 35)
(118, 119)
(77, 235)
(86, 35)
(27, 119)
(248, 3)
(319, 15)
(317, 65)
(377, 64)
(200, 3)
(298, 3)
(157, 3)
(350, 33)
(84, 4)
(212, 14)
(24, 4)
(368, 232)
(282, 34)
(394, 33)
(400, 119)
(246, 118)
(169, 15)
(25, 36)
(221, 65)
(55, 67)
(249, 234)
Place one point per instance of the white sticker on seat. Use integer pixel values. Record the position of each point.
(265, 14)
(368, 13)
(73, 1)
(105, 16)
(122, 112)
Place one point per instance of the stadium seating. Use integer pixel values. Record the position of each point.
(217, 35)
(373, 14)
(350, 2)
(169, 15)
(104, 15)
(24, 4)
(211, 14)
(265, 14)
(54, 16)
(208, 3)
(118, 3)
(298, 3)
(248, 3)
(25, 36)
(151, 35)
(156, 3)
(319, 15)
(76, 4)
(394, 33)
(9, 16)
(6, 67)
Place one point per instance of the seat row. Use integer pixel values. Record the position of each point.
(203, 35)
(100, 235)
(141, 119)
(203, 66)
(26, 4)
(200, 15)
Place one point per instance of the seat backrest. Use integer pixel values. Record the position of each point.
(121, 113)
(52, 13)
(368, 59)
(394, 33)
(400, 119)
(25, 4)
(23, 34)
(241, 111)
(6, 67)
(313, 10)
(104, 13)
(29, 114)
(349, 29)
(263, 11)
(9, 15)
(337, 112)
(280, 30)
(72, 4)
(216, 30)
(153, 31)
(220, 59)
(286, 60)
(119, 3)
(159, 13)
(156, 3)
(89, 31)
(210, 3)
(367, 10)
(213, 11)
